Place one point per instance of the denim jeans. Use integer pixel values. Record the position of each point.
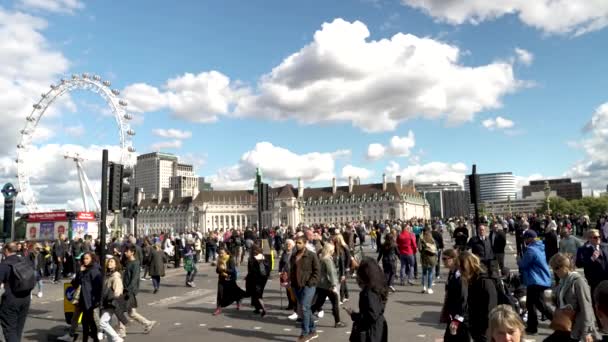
(427, 277)
(156, 282)
(105, 326)
(190, 275)
(407, 267)
(305, 296)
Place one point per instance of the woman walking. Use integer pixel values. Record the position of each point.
(37, 259)
(572, 295)
(258, 270)
(428, 256)
(147, 255)
(328, 286)
(89, 279)
(455, 302)
(190, 262)
(388, 253)
(369, 324)
(342, 260)
(112, 300)
(227, 289)
(157, 266)
(284, 278)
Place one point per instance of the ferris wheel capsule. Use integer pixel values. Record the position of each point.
(63, 81)
(31, 119)
(116, 92)
(37, 106)
(131, 149)
(74, 76)
(131, 132)
(53, 86)
(122, 102)
(85, 75)
(107, 83)
(97, 78)
(128, 116)
(43, 95)
(20, 146)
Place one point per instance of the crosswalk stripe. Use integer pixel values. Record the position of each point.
(208, 297)
(176, 299)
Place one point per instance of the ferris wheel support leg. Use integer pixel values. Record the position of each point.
(93, 194)
(81, 182)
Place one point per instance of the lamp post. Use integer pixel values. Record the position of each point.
(547, 191)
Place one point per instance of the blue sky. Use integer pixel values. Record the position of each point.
(247, 103)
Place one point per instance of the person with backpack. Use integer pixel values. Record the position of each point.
(258, 270)
(18, 278)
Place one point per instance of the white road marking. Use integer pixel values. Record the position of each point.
(421, 336)
(286, 329)
(202, 325)
(257, 328)
(49, 317)
(228, 326)
(320, 331)
(175, 299)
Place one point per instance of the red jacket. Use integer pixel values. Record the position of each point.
(406, 242)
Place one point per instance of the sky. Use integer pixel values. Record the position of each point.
(312, 90)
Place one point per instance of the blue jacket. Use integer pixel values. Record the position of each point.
(533, 266)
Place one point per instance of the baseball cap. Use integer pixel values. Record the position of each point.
(530, 234)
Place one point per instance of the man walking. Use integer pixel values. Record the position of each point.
(406, 243)
(498, 240)
(18, 278)
(59, 257)
(130, 280)
(304, 274)
(481, 246)
(536, 276)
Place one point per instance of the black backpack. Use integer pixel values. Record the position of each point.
(503, 296)
(23, 277)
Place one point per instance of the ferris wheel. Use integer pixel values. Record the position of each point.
(92, 83)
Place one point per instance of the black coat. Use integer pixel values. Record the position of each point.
(481, 248)
(480, 305)
(157, 264)
(461, 235)
(438, 237)
(595, 271)
(500, 241)
(369, 324)
(91, 284)
(551, 247)
(257, 276)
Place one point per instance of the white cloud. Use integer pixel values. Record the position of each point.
(279, 165)
(430, 172)
(397, 147)
(356, 172)
(172, 133)
(497, 123)
(523, 56)
(343, 76)
(550, 16)
(57, 6)
(195, 98)
(166, 145)
(75, 131)
(592, 169)
(27, 66)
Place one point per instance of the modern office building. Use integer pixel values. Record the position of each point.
(495, 186)
(437, 186)
(289, 205)
(156, 173)
(564, 187)
(446, 199)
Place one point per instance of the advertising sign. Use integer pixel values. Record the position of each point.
(79, 229)
(85, 216)
(47, 231)
(32, 230)
(61, 228)
(47, 217)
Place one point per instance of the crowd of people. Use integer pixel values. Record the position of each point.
(315, 263)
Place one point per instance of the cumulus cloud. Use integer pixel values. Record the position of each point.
(343, 76)
(166, 145)
(523, 56)
(497, 123)
(592, 169)
(430, 172)
(356, 172)
(56, 6)
(279, 165)
(75, 131)
(397, 147)
(198, 98)
(172, 133)
(550, 16)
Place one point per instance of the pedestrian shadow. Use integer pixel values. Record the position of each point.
(41, 335)
(245, 314)
(428, 319)
(418, 303)
(259, 335)
(36, 312)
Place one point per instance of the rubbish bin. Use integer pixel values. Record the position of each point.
(68, 308)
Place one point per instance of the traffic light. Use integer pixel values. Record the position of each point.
(119, 176)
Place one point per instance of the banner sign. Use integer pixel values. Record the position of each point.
(47, 217)
(79, 229)
(32, 230)
(47, 231)
(86, 216)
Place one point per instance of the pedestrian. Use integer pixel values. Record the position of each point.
(388, 253)
(551, 246)
(460, 237)
(593, 258)
(369, 324)
(428, 259)
(600, 296)
(90, 281)
(130, 281)
(504, 325)
(573, 298)
(38, 262)
(344, 261)
(406, 242)
(328, 286)
(228, 291)
(569, 244)
(190, 262)
(15, 301)
(481, 246)
(438, 237)
(498, 241)
(147, 255)
(284, 278)
(482, 296)
(59, 252)
(536, 276)
(258, 270)
(112, 302)
(158, 259)
(304, 277)
(454, 308)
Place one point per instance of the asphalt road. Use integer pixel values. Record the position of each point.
(186, 313)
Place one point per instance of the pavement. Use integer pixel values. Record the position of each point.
(186, 313)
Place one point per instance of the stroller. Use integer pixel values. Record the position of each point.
(517, 291)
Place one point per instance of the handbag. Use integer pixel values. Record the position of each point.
(563, 319)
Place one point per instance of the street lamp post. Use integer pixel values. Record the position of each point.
(547, 191)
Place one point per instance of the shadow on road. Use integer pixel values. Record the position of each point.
(41, 335)
(428, 319)
(245, 314)
(418, 303)
(257, 335)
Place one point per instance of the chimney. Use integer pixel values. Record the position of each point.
(333, 186)
(300, 188)
(412, 185)
(350, 184)
(398, 182)
(171, 195)
(384, 182)
(358, 180)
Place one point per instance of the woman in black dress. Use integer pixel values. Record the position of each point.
(258, 270)
(227, 289)
(389, 254)
(369, 324)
